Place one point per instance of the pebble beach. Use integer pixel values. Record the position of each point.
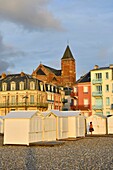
(89, 153)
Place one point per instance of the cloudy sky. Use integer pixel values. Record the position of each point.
(38, 31)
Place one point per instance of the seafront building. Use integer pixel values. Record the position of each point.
(81, 95)
(23, 92)
(102, 90)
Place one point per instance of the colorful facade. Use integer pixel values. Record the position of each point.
(102, 90)
(23, 92)
(81, 95)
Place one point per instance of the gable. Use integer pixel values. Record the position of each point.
(40, 72)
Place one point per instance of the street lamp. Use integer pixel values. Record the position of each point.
(25, 97)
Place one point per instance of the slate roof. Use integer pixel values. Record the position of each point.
(40, 72)
(68, 54)
(56, 72)
(85, 78)
(101, 68)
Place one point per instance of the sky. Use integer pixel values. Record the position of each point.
(38, 31)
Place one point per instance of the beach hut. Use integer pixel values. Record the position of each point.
(23, 127)
(110, 124)
(68, 123)
(61, 122)
(49, 133)
(1, 125)
(99, 124)
(76, 122)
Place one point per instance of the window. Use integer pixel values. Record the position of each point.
(13, 99)
(31, 99)
(75, 102)
(41, 86)
(107, 101)
(32, 85)
(99, 88)
(85, 102)
(98, 76)
(21, 86)
(75, 89)
(107, 88)
(52, 88)
(107, 75)
(48, 87)
(13, 86)
(85, 89)
(107, 113)
(4, 87)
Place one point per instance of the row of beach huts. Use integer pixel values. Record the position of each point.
(25, 127)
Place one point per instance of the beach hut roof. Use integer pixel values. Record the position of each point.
(62, 113)
(20, 114)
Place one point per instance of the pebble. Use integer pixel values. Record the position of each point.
(86, 154)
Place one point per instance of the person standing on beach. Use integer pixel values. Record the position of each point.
(91, 128)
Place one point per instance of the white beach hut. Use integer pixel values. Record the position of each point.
(23, 127)
(76, 123)
(68, 123)
(1, 125)
(49, 133)
(99, 123)
(110, 124)
(61, 122)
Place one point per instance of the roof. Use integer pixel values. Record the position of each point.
(68, 54)
(21, 114)
(84, 78)
(40, 72)
(101, 68)
(62, 113)
(56, 72)
(99, 115)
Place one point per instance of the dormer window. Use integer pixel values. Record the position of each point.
(4, 87)
(21, 86)
(13, 86)
(48, 87)
(32, 85)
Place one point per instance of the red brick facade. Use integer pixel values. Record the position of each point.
(64, 77)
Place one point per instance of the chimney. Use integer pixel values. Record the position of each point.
(3, 75)
(96, 67)
(111, 66)
(22, 74)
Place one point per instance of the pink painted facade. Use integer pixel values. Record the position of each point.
(81, 96)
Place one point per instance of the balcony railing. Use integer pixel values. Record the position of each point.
(97, 93)
(97, 107)
(64, 101)
(74, 94)
(97, 81)
(4, 105)
(80, 107)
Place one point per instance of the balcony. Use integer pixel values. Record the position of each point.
(97, 81)
(5, 105)
(73, 94)
(80, 107)
(97, 93)
(64, 101)
(97, 107)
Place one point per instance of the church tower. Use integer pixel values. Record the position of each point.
(68, 67)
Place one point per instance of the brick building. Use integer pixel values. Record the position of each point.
(64, 77)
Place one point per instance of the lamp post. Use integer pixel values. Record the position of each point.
(25, 97)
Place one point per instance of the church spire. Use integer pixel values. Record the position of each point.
(67, 54)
